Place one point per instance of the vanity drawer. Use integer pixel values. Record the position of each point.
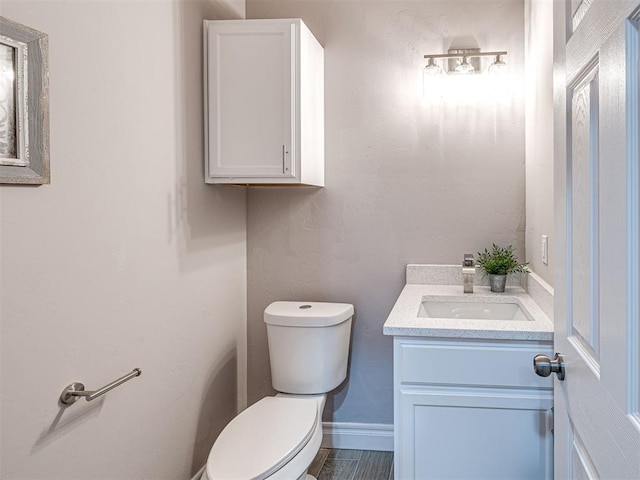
(473, 363)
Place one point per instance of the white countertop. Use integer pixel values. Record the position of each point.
(404, 321)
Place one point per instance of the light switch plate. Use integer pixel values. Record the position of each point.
(545, 249)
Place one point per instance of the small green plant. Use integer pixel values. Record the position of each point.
(500, 261)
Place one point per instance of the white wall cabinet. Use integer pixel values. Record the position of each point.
(264, 100)
(471, 409)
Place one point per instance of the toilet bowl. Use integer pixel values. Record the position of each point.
(278, 437)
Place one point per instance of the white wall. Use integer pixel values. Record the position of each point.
(407, 181)
(127, 259)
(539, 132)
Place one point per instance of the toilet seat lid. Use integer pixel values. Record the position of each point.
(263, 438)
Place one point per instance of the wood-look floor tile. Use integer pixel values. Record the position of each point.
(343, 454)
(318, 462)
(374, 466)
(337, 469)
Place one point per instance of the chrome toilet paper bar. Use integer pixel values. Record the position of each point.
(75, 390)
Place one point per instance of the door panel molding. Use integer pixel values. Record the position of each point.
(581, 460)
(596, 27)
(586, 355)
(579, 13)
(633, 214)
(582, 190)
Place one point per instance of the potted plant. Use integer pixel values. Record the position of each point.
(497, 263)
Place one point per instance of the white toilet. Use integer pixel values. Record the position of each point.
(278, 437)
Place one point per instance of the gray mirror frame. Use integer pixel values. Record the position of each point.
(36, 81)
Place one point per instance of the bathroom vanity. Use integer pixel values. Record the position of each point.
(467, 403)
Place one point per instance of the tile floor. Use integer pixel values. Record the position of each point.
(333, 464)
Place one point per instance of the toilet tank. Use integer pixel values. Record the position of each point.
(308, 345)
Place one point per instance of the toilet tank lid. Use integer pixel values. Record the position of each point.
(307, 314)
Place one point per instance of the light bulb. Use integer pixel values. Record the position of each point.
(432, 68)
(498, 67)
(465, 67)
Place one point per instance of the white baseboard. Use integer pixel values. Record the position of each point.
(357, 436)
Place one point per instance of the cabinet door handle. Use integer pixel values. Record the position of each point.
(284, 162)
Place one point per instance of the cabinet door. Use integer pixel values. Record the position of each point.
(251, 93)
(475, 434)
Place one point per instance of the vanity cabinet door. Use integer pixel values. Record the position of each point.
(475, 434)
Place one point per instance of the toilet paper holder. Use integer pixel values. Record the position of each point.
(75, 390)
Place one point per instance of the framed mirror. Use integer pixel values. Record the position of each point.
(24, 104)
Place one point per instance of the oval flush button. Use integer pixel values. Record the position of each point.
(304, 307)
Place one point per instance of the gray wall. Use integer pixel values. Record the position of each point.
(539, 133)
(407, 181)
(126, 260)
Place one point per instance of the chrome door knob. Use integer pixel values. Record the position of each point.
(544, 366)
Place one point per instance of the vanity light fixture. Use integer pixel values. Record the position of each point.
(432, 68)
(499, 67)
(463, 65)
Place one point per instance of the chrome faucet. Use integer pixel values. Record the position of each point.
(468, 272)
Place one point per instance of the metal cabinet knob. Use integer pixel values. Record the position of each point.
(544, 366)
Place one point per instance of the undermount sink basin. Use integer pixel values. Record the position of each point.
(471, 311)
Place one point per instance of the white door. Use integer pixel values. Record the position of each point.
(597, 421)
